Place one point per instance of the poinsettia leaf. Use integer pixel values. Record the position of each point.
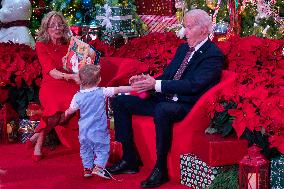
(227, 128)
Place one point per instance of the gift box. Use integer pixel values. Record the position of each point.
(277, 172)
(9, 120)
(26, 129)
(115, 152)
(116, 19)
(196, 173)
(159, 23)
(156, 7)
(216, 150)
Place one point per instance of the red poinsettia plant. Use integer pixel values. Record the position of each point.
(20, 74)
(259, 87)
(18, 63)
(156, 50)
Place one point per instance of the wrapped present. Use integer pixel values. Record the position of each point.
(80, 53)
(196, 173)
(216, 150)
(277, 172)
(34, 111)
(115, 152)
(156, 7)
(115, 20)
(9, 119)
(26, 129)
(159, 24)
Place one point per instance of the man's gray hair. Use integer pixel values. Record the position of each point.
(201, 18)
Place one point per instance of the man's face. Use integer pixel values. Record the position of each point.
(192, 32)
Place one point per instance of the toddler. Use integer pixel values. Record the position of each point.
(93, 131)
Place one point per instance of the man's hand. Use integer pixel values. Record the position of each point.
(136, 78)
(143, 83)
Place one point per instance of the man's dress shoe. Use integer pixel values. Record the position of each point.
(122, 167)
(156, 179)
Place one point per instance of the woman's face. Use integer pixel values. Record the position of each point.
(55, 29)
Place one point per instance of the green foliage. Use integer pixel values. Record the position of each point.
(74, 10)
(39, 8)
(222, 121)
(227, 179)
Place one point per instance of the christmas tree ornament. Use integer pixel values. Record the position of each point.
(221, 30)
(87, 3)
(211, 4)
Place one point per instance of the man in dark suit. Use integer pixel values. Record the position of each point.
(195, 68)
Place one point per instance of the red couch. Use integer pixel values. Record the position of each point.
(188, 134)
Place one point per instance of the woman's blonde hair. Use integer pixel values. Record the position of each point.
(90, 75)
(42, 34)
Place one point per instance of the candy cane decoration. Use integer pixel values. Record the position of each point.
(214, 19)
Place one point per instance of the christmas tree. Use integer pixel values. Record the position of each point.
(39, 8)
(77, 12)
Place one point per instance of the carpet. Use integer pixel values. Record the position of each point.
(60, 169)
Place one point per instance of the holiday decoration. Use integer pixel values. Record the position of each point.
(220, 151)
(276, 172)
(8, 124)
(254, 170)
(262, 18)
(39, 9)
(221, 31)
(196, 173)
(79, 54)
(20, 73)
(156, 7)
(159, 23)
(77, 12)
(118, 23)
(211, 4)
(76, 30)
(257, 92)
(181, 8)
(114, 19)
(26, 129)
(90, 33)
(34, 111)
(14, 22)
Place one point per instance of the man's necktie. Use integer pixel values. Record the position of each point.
(180, 71)
(183, 64)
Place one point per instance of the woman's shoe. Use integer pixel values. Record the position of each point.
(37, 158)
(29, 144)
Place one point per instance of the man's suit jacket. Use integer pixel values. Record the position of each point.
(203, 72)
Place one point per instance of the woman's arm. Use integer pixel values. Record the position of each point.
(61, 75)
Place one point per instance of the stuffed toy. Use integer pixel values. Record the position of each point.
(14, 21)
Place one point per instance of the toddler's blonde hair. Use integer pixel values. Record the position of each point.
(90, 75)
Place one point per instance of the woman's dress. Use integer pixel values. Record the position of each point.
(56, 94)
